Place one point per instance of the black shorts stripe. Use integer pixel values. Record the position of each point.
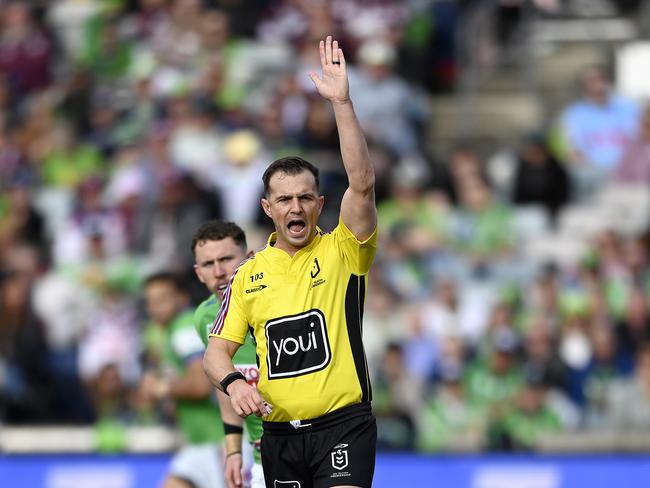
(354, 298)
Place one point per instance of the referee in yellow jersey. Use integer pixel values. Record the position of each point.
(302, 297)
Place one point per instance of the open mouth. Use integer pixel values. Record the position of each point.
(297, 227)
(221, 289)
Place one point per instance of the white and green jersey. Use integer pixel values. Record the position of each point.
(245, 360)
(199, 420)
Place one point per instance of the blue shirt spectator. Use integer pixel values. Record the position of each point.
(600, 126)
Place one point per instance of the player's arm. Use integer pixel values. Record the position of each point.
(193, 385)
(358, 210)
(233, 428)
(218, 366)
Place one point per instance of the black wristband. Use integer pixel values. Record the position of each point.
(232, 429)
(231, 377)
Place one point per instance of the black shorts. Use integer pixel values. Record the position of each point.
(333, 450)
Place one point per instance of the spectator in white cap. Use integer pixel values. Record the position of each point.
(390, 110)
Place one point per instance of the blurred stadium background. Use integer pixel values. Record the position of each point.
(507, 323)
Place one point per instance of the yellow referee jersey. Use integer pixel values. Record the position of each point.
(305, 313)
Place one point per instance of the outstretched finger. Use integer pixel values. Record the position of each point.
(328, 50)
(341, 59)
(321, 52)
(335, 52)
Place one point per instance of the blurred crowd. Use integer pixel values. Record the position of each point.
(126, 124)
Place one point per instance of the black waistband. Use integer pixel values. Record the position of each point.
(301, 426)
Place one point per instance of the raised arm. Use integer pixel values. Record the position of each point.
(358, 210)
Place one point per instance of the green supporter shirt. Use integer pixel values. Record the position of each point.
(69, 168)
(526, 428)
(200, 421)
(422, 214)
(245, 360)
(486, 232)
(445, 418)
(486, 388)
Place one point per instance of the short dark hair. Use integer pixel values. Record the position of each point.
(291, 165)
(170, 277)
(216, 230)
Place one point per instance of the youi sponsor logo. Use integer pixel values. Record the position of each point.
(297, 345)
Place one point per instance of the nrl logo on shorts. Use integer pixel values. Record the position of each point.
(340, 457)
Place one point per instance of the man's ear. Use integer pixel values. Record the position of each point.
(321, 203)
(266, 206)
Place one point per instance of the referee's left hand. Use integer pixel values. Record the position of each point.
(246, 400)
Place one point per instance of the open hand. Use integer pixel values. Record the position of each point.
(334, 82)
